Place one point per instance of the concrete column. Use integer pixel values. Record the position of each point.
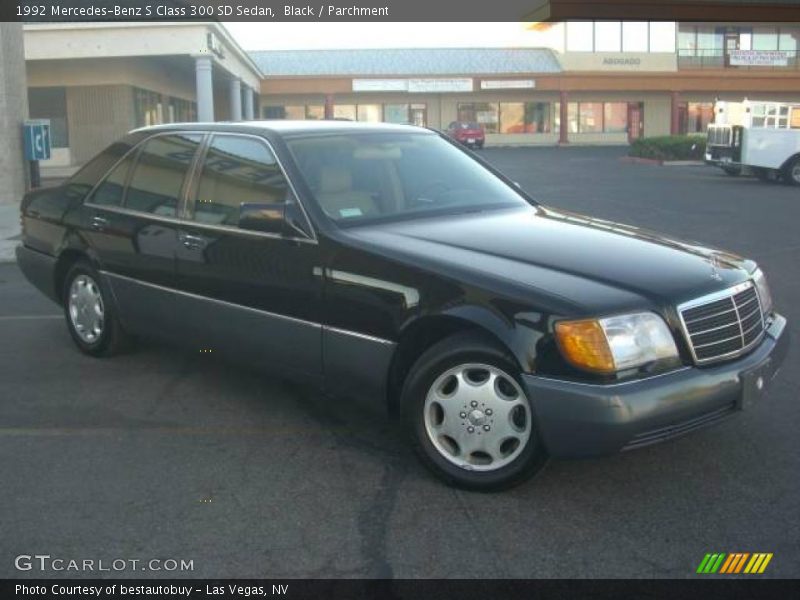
(674, 121)
(14, 110)
(248, 104)
(236, 99)
(329, 106)
(563, 134)
(205, 88)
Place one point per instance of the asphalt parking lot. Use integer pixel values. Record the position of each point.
(161, 454)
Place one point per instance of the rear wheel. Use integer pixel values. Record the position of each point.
(90, 314)
(469, 417)
(791, 173)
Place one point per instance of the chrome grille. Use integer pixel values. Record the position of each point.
(724, 324)
(719, 135)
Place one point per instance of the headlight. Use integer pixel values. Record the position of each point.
(763, 291)
(616, 343)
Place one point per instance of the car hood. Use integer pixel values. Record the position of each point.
(591, 263)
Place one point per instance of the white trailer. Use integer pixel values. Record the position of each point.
(756, 138)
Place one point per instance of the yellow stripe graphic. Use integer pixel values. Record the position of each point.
(765, 563)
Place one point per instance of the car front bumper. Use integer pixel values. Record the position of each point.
(576, 419)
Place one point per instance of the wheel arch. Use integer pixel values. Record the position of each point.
(425, 331)
(73, 249)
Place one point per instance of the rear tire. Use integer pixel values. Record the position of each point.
(90, 313)
(468, 416)
(791, 173)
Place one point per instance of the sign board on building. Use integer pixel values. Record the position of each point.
(457, 84)
(380, 85)
(414, 86)
(36, 136)
(507, 84)
(758, 58)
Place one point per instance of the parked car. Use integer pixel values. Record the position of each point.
(384, 262)
(469, 133)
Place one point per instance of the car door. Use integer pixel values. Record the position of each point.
(250, 294)
(133, 228)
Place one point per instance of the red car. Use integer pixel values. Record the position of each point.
(467, 132)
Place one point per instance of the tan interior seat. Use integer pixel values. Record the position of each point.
(338, 198)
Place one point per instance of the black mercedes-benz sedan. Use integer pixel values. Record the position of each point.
(387, 263)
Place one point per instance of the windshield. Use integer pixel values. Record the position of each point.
(357, 177)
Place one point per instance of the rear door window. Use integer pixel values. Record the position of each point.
(111, 190)
(237, 170)
(158, 176)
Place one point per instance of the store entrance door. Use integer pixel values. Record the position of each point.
(635, 121)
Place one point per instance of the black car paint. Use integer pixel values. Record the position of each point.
(337, 306)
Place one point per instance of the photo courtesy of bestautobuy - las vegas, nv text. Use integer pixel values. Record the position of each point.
(397, 299)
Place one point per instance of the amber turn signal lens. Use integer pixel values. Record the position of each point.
(584, 344)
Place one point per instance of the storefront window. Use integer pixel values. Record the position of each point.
(396, 113)
(590, 117)
(51, 103)
(615, 117)
(148, 108)
(699, 115)
(370, 113)
(485, 113)
(182, 111)
(294, 112)
(345, 112)
(315, 112)
(787, 40)
(765, 38)
(525, 117)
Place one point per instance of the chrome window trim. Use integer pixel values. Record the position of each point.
(192, 177)
(260, 311)
(712, 297)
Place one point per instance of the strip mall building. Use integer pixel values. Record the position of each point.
(580, 82)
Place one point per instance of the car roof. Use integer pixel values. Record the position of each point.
(286, 127)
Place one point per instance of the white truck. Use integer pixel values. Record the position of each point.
(756, 138)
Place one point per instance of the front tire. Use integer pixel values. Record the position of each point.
(90, 313)
(469, 417)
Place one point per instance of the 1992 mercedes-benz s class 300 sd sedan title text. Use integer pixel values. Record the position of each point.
(386, 262)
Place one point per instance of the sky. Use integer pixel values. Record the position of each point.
(310, 35)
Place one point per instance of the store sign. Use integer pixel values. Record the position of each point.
(380, 85)
(507, 84)
(414, 86)
(758, 58)
(460, 84)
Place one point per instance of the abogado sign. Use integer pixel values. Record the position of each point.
(758, 58)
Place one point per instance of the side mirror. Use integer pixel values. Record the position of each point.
(269, 218)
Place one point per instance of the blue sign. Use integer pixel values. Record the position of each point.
(36, 135)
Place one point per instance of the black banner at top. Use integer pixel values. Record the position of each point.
(396, 10)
